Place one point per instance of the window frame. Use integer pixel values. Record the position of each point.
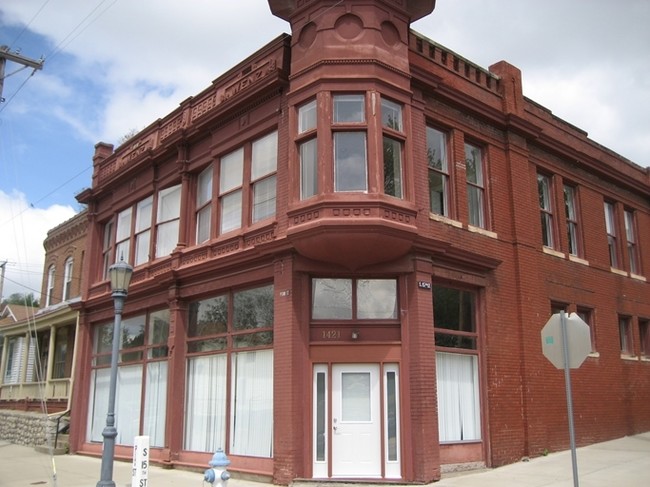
(626, 339)
(307, 147)
(203, 209)
(49, 288)
(67, 278)
(644, 338)
(226, 334)
(457, 334)
(352, 127)
(443, 173)
(261, 208)
(572, 215)
(393, 138)
(633, 258)
(587, 315)
(150, 355)
(356, 310)
(477, 213)
(611, 229)
(546, 209)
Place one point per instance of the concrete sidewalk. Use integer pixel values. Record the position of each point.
(623, 462)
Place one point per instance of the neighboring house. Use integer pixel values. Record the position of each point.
(344, 251)
(39, 343)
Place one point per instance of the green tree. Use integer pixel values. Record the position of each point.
(21, 299)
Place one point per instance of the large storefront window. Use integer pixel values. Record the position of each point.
(231, 335)
(457, 373)
(142, 375)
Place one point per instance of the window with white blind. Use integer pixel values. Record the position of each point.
(457, 368)
(230, 339)
(238, 190)
(146, 230)
(141, 393)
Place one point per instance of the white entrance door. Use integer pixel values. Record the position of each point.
(356, 421)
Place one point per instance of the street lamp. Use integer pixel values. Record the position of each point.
(120, 274)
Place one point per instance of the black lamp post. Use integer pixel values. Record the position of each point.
(120, 274)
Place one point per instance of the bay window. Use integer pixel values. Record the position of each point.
(349, 143)
(308, 149)
(393, 144)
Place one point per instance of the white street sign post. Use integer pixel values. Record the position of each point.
(140, 472)
(566, 342)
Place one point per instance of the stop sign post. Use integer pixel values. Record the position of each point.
(578, 340)
(566, 342)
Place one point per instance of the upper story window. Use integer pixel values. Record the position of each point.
(67, 278)
(230, 191)
(610, 226)
(107, 248)
(572, 226)
(243, 180)
(168, 220)
(204, 205)
(349, 141)
(49, 292)
(308, 149)
(264, 160)
(393, 146)
(354, 299)
(475, 185)
(546, 209)
(133, 239)
(632, 247)
(438, 172)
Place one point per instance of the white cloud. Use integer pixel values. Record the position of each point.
(23, 229)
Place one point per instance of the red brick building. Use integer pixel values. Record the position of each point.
(345, 249)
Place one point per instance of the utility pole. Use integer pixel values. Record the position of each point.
(2, 277)
(6, 55)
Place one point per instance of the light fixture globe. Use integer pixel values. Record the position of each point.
(120, 274)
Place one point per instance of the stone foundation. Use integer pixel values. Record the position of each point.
(26, 428)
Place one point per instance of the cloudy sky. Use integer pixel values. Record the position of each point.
(114, 66)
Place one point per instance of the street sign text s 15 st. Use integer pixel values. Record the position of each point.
(578, 340)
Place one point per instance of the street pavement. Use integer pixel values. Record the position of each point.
(624, 462)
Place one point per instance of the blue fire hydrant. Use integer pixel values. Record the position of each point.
(218, 475)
